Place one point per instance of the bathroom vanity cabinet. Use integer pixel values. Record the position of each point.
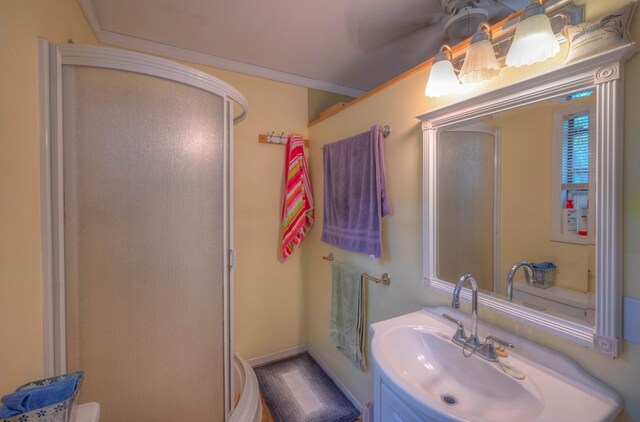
(390, 407)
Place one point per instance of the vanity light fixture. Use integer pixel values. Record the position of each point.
(534, 40)
(442, 79)
(480, 62)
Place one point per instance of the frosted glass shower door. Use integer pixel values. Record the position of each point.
(465, 192)
(144, 244)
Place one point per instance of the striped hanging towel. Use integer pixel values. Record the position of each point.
(297, 208)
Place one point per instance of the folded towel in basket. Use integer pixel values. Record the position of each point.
(31, 398)
(543, 266)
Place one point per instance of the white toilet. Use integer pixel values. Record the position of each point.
(557, 300)
(88, 412)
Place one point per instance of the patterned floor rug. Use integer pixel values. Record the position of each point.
(298, 390)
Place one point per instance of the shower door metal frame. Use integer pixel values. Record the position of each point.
(51, 59)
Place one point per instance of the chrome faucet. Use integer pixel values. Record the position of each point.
(472, 340)
(486, 350)
(528, 274)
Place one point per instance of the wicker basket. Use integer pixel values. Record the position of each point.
(59, 412)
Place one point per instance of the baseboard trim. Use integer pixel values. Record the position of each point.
(283, 354)
(335, 379)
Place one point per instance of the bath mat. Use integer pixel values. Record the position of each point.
(298, 390)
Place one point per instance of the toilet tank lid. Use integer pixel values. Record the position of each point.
(559, 294)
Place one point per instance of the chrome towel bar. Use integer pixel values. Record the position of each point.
(384, 278)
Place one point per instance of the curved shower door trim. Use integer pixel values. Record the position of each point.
(113, 58)
(52, 58)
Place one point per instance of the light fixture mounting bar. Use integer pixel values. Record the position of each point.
(561, 13)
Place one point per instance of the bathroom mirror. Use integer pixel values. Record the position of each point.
(514, 186)
(494, 195)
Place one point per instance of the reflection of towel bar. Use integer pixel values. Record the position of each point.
(384, 279)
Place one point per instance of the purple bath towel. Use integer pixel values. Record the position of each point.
(355, 194)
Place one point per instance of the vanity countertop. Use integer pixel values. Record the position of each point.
(417, 363)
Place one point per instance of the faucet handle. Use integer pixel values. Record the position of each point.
(460, 334)
(494, 339)
(455, 321)
(488, 349)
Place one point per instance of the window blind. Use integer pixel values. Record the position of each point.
(576, 154)
(577, 95)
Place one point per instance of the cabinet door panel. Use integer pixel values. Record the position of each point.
(393, 409)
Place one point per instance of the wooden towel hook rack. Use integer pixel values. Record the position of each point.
(280, 139)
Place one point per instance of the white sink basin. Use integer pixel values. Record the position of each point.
(415, 357)
(434, 366)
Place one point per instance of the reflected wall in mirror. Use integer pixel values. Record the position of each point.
(516, 186)
(483, 215)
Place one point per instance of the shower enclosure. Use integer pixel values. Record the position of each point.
(468, 210)
(138, 180)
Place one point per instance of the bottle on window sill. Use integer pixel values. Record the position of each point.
(569, 218)
(583, 220)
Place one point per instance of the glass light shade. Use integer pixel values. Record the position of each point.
(533, 42)
(480, 62)
(442, 79)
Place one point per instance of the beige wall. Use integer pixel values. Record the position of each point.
(269, 299)
(397, 106)
(269, 294)
(320, 101)
(21, 356)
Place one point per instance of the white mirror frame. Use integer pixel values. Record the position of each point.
(605, 72)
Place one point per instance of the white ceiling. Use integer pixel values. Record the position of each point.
(343, 46)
